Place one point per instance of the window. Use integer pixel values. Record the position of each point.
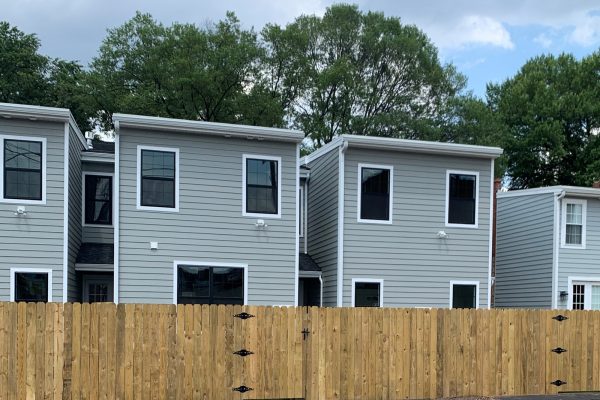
(199, 284)
(23, 169)
(462, 198)
(98, 199)
(573, 225)
(584, 294)
(158, 179)
(31, 285)
(367, 292)
(375, 193)
(261, 191)
(464, 294)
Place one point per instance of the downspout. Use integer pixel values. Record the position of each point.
(557, 200)
(116, 208)
(340, 255)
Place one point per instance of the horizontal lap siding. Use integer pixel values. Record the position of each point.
(582, 262)
(524, 251)
(414, 263)
(209, 226)
(35, 241)
(75, 228)
(323, 221)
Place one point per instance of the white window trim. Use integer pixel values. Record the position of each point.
(14, 271)
(44, 163)
(581, 280)
(563, 223)
(462, 172)
(177, 263)
(367, 280)
(279, 184)
(359, 194)
(472, 283)
(101, 226)
(302, 210)
(139, 205)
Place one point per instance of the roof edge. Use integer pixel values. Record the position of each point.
(210, 128)
(581, 191)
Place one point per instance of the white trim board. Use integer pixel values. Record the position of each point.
(279, 184)
(563, 223)
(462, 172)
(586, 280)
(101, 226)
(472, 283)
(42, 140)
(176, 263)
(359, 194)
(15, 270)
(490, 244)
(298, 222)
(66, 200)
(116, 215)
(367, 280)
(138, 180)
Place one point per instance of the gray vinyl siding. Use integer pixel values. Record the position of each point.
(414, 263)
(36, 240)
(99, 233)
(524, 251)
(323, 221)
(583, 263)
(75, 202)
(209, 226)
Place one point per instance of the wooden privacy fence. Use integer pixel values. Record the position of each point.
(103, 351)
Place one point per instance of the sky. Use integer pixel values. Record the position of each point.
(487, 40)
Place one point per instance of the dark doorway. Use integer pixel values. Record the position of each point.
(309, 292)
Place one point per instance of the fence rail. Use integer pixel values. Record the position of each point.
(103, 351)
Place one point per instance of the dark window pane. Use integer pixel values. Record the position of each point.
(375, 194)
(463, 296)
(31, 286)
(158, 178)
(98, 199)
(261, 186)
(22, 170)
(210, 285)
(366, 294)
(461, 199)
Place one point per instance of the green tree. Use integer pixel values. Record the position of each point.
(181, 71)
(551, 111)
(357, 73)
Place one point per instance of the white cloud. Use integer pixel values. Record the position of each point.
(477, 29)
(543, 40)
(587, 33)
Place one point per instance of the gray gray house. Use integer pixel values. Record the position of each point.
(401, 222)
(548, 247)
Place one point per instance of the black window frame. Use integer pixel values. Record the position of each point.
(274, 187)
(6, 169)
(141, 177)
(16, 278)
(87, 202)
(364, 195)
(451, 217)
(210, 299)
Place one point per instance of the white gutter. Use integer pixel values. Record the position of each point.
(297, 237)
(556, 252)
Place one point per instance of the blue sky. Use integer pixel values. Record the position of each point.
(488, 40)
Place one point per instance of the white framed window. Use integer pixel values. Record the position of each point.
(261, 186)
(97, 205)
(375, 192)
(462, 199)
(464, 294)
(573, 225)
(584, 293)
(200, 282)
(301, 210)
(367, 292)
(157, 178)
(23, 169)
(31, 284)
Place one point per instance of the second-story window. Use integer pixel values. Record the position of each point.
(461, 198)
(22, 169)
(375, 193)
(98, 199)
(573, 223)
(158, 178)
(262, 185)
